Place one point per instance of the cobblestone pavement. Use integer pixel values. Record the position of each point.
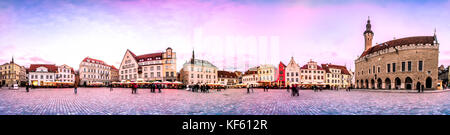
(102, 101)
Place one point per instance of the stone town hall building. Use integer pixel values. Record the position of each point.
(406, 63)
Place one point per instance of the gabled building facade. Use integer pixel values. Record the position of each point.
(293, 73)
(159, 66)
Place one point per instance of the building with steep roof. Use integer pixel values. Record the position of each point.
(293, 72)
(160, 66)
(281, 80)
(196, 71)
(405, 63)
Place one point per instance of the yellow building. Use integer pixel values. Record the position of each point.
(170, 65)
(337, 76)
(267, 74)
(12, 73)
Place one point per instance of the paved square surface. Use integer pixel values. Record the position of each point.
(102, 101)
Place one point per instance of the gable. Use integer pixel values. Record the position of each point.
(128, 61)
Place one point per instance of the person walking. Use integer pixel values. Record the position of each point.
(132, 88)
(248, 89)
(287, 88)
(75, 86)
(27, 87)
(159, 88)
(111, 87)
(253, 88)
(293, 90)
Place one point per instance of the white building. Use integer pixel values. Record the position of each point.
(250, 77)
(312, 74)
(292, 73)
(39, 74)
(94, 72)
(198, 71)
(65, 74)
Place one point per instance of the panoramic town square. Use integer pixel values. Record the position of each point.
(120, 101)
(227, 57)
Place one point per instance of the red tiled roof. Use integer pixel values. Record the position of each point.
(342, 68)
(250, 72)
(226, 74)
(399, 42)
(96, 61)
(113, 67)
(145, 57)
(50, 67)
(306, 67)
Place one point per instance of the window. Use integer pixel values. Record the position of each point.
(388, 68)
(379, 70)
(420, 66)
(409, 65)
(393, 67)
(373, 69)
(403, 66)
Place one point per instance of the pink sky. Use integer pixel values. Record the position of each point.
(59, 32)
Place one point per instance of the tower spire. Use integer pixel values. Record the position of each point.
(193, 56)
(435, 37)
(12, 59)
(368, 35)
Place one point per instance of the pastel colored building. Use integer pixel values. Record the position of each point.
(312, 74)
(94, 72)
(196, 71)
(227, 78)
(65, 74)
(267, 73)
(250, 78)
(337, 76)
(293, 73)
(12, 73)
(281, 80)
(115, 77)
(42, 74)
(160, 66)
